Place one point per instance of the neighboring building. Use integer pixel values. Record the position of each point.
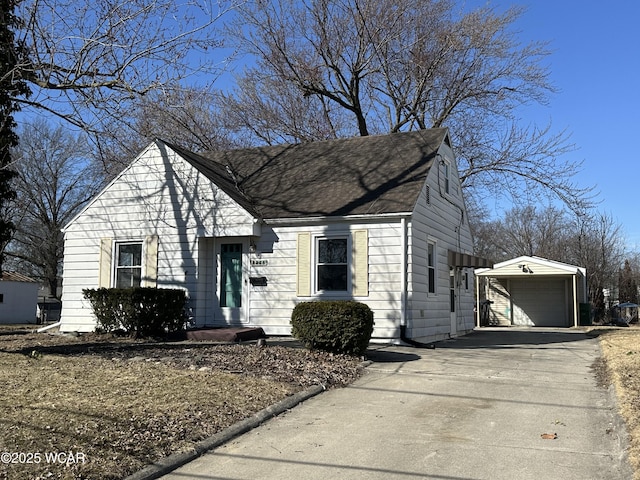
(250, 233)
(18, 298)
(48, 309)
(49, 305)
(533, 291)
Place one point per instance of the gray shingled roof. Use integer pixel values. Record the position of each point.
(352, 176)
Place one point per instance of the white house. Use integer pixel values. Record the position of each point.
(250, 233)
(533, 291)
(18, 298)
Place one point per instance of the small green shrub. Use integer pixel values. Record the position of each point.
(143, 312)
(335, 326)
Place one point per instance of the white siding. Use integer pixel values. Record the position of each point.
(271, 306)
(19, 302)
(500, 309)
(159, 194)
(162, 195)
(439, 218)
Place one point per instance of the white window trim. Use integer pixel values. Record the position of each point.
(114, 258)
(314, 264)
(447, 176)
(432, 241)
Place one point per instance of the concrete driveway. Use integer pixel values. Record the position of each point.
(473, 408)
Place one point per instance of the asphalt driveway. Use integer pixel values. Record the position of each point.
(478, 407)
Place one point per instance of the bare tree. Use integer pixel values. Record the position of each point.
(535, 232)
(598, 245)
(86, 62)
(592, 240)
(627, 284)
(391, 65)
(541, 232)
(282, 116)
(56, 177)
(187, 116)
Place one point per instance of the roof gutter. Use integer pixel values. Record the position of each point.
(337, 218)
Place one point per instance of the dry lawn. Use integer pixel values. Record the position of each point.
(109, 407)
(621, 362)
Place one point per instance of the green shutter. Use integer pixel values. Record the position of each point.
(150, 274)
(360, 280)
(104, 269)
(303, 265)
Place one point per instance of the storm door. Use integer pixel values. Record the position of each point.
(231, 284)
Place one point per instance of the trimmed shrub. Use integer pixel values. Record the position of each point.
(342, 326)
(140, 311)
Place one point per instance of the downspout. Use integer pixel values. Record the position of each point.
(246, 275)
(403, 290)
(48, 327)
(403, 277)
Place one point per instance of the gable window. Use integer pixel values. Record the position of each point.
(332, 265)
(431, 267)
(129, 265)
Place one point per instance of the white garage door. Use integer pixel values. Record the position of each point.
(539, 302)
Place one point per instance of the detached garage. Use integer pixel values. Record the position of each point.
(530, 291)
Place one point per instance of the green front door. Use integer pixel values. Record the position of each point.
(231, 275)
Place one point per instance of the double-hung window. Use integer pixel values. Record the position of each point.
(332, 264)
(431, 267)
(129, 264)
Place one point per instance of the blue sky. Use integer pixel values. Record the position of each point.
(595, 66)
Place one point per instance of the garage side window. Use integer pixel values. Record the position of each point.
(129, 265)
(332, 265)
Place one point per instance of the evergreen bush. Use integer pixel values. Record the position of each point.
(140, 311)
(342, 326)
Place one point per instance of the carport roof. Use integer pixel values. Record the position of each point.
(528, 265)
